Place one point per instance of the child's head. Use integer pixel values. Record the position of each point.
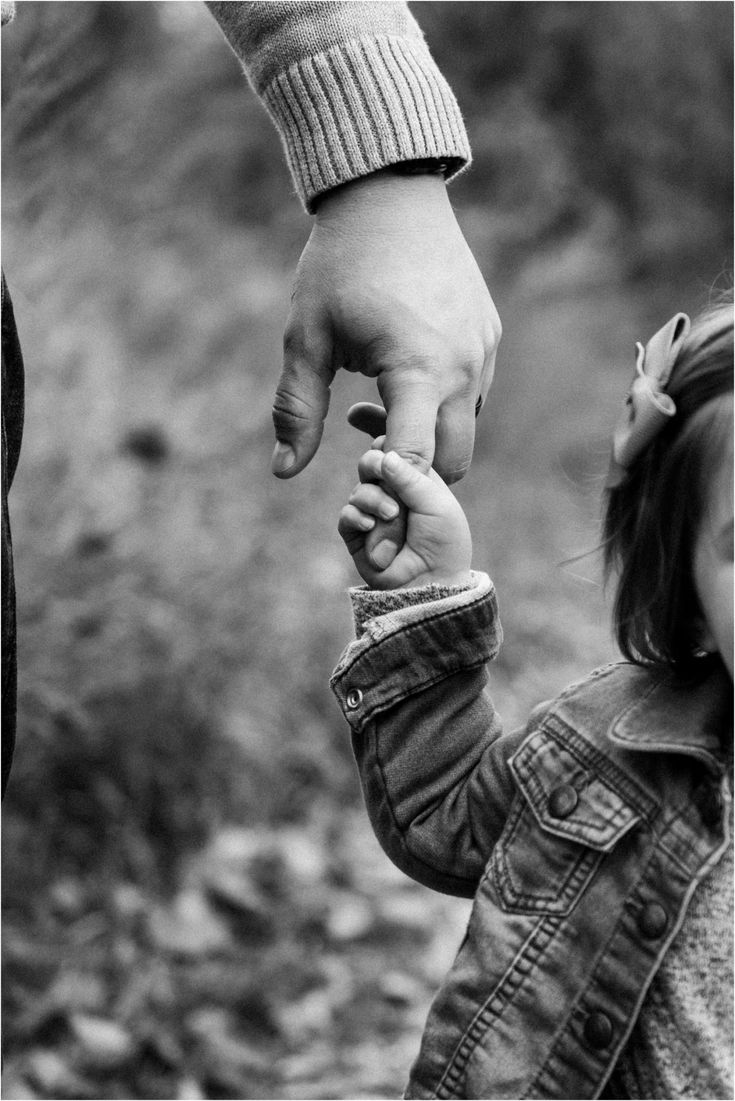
(668, 524)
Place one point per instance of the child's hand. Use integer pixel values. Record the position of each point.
(438, 546)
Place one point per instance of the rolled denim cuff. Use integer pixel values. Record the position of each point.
(406, 651)
(369, 603)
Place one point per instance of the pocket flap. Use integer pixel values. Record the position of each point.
(573, 793)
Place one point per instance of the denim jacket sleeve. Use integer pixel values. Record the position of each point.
(432, 757)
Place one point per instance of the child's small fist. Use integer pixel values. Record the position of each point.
(438, 546)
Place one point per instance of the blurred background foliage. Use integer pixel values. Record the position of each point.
(194, 906)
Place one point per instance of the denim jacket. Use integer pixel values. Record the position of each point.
(582, 837)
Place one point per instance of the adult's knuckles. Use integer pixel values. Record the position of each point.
(417, 455)
(295, 344)
(471, 360)
(291, 411)
(452, 472)
(305, 340)
(288, 413)
(491, 325)
(439, 369)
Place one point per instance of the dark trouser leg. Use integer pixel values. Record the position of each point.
(12, 431)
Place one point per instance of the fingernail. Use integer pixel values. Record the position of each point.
(389, 512)
(391, 462)
(283, 458)
(384, 553)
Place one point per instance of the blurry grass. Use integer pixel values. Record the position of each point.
(174, 572)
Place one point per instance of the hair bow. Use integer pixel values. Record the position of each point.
(647, 406)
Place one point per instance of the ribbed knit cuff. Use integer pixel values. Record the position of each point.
(363, 106)
(369, 603)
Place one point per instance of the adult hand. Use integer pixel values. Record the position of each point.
(387, 286)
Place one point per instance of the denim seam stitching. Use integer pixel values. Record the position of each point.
(578, 1012)
(530, 783)
(584, 867)
(622, 738)
(400, 694)
(667, 825)
(501, 996)
(478, 602)
(403, 834)
(589, 754)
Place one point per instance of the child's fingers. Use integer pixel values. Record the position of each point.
(353, 526)
(352, 520)
(370, 466)
(418, 491)
(371, 499)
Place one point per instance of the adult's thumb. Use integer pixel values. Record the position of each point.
(299, 409)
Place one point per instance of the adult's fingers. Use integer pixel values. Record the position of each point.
(412, 401)
(300, 406)
(455, 427)
(455, 440)
(486, 378)
(367, 417)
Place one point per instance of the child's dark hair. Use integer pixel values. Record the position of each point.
(651, 520)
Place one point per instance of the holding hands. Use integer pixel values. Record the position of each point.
(438, 545)
(388, 287)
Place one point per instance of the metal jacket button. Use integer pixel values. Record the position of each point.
(562, 801)
(354, 698)
(598, 1030)
(652, 920)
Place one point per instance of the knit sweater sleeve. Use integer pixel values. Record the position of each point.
(350, 86)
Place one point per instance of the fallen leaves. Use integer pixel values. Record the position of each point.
(189, 927)
(289, 963)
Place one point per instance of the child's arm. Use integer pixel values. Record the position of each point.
(428, 742)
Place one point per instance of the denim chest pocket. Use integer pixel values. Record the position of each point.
(568, 812)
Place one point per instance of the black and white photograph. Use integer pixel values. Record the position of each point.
(367, 550)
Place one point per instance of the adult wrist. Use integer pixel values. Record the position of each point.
(384, 182)
(425, 166)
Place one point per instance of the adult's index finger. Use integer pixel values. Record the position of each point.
(411, 424)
